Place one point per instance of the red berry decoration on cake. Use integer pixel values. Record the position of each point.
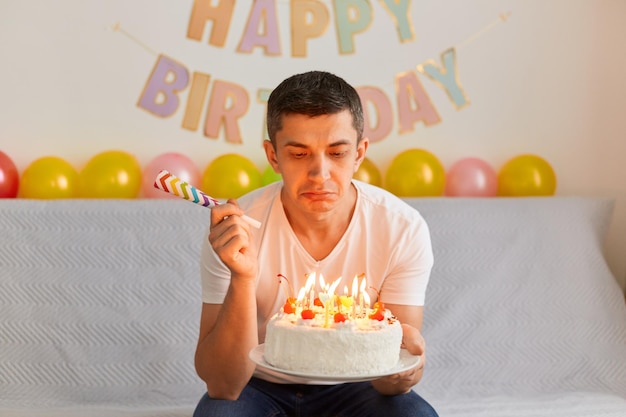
(290, 306)
(339, 318)
(307, 314)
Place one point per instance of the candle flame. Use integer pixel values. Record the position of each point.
(366, 298)
(323, 285)
(333, 286)
(355, 286)
(301, 294)
(310, 282)
(363, 285)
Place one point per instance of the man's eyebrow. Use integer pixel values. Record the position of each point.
(340, 142)
(295, 144)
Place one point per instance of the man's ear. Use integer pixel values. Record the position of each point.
(361, 149)
(270, 154)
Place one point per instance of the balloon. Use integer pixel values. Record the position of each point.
(471, 177)
(415, 173)
(526, 175)
(369, 173)
(49, 177)
(111, 174)
(9, 177)
(269, 176)
(178, 164)
(230, 176)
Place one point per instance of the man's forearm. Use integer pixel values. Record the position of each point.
(222, 356)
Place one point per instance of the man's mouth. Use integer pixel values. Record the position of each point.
(317, 195)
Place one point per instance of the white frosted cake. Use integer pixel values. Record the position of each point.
(328, 345)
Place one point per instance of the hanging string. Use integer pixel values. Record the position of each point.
(502, 18)
(118, 28)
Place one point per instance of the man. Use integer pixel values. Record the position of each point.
(316, 220)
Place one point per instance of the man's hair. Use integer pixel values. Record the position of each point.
(313, 93)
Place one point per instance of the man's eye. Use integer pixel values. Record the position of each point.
(298, 154)
(338, 154)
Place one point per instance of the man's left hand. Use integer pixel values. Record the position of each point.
(402, 382)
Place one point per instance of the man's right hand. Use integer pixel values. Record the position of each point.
(230, 238)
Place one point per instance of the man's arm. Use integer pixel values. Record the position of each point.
(411, 319)
(226, 337)
(228, 331)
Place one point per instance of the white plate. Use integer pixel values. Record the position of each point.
(406, 361)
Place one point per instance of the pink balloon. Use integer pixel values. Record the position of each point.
(9, 177)
(471, 177)
(178, 164)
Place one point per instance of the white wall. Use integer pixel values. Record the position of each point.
(547, 81)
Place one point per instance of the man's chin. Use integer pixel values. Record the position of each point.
(320, 205)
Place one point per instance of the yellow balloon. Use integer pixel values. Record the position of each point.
(49, 177)
(369, 173)
(230, 176)
(415, 173)
(111, 174)
(526, 175)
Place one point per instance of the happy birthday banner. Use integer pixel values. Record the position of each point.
(228, 101)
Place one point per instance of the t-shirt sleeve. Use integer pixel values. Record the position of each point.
(412, 261)
(215, 276)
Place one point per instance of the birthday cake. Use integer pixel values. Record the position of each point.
(330, 342)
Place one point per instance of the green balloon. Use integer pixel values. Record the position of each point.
(269, 176)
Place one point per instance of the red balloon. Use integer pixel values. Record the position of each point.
(178, 164)
(471, 177)
(9, 177)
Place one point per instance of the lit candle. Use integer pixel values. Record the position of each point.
(334, 286)
(310, 288)
(355, 291)
(323, 296)
(329, 298)
(347, 302)
(299, 302)
(361, 294)
(326, 313)
(332, 289)
(366, 296)
(343, 299)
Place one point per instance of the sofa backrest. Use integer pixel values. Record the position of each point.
(100, 300)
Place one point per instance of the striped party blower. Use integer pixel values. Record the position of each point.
(170, 183)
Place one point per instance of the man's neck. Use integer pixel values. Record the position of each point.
(319, 233)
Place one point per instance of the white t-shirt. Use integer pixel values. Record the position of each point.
(387, 239)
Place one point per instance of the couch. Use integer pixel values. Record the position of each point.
(100, 302)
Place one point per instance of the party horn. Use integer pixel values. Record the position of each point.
(169, 183)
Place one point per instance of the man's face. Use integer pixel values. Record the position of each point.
(317, 157)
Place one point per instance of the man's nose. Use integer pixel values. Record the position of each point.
(319, 168)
